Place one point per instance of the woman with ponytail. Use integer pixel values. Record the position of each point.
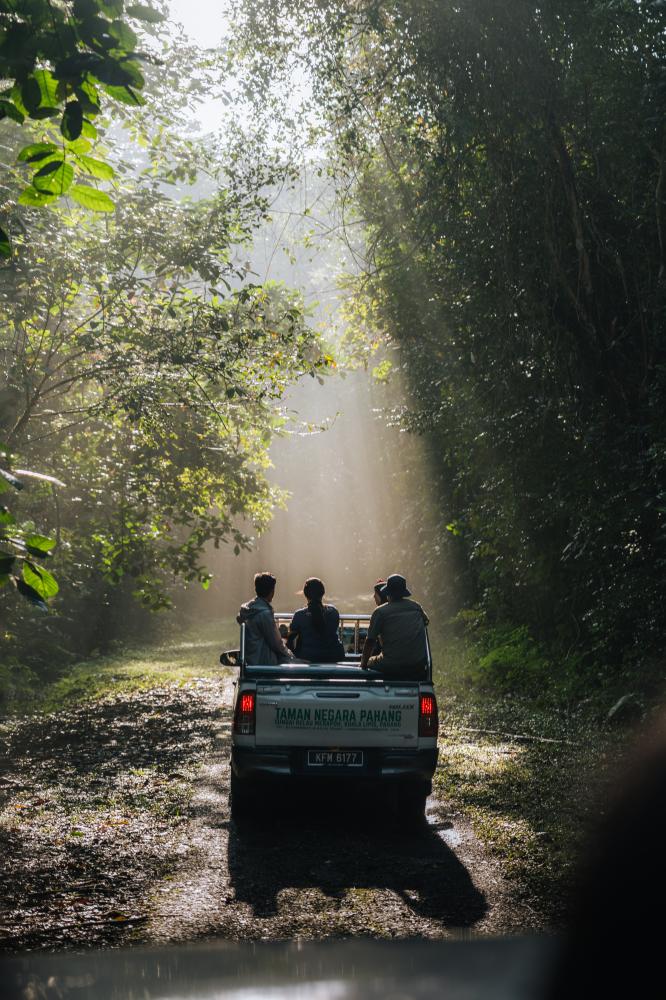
(313, 633)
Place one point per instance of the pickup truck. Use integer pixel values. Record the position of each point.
(332, 722)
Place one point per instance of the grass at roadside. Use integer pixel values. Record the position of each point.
(177, 660)
(533, 778)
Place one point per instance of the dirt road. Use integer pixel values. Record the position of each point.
(115, 827)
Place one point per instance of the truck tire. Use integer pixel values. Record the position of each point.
(241, 800)
(411, 804)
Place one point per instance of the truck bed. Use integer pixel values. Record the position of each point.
(343, 671)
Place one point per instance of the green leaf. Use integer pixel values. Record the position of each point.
(40, 580)
(4, 579)
(56, 177)
(91, 198)
(114, 8)
(97, 168)
(123, 35)
(45, 113)
(48, 87)
(118, 74)
(30, 154)
(9, 110)
(125, 95)
(72, 120)
(39, 545)
(88, 129)
(34, 198)
(5, 244)
(144, 13)
(31, 595)
(31, 95)
(79, 146)
(88, 96)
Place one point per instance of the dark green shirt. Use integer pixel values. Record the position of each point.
(401, 627)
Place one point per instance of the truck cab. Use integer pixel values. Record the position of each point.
(333, 722)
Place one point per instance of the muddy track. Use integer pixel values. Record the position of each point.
(115, 827)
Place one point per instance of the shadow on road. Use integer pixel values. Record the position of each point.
(340, 844)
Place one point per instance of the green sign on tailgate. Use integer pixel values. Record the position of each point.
(338, 718)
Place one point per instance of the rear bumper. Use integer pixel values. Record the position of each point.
(266, 763)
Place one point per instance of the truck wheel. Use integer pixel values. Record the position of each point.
(241, 800)
(411, 805)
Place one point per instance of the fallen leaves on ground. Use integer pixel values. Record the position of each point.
(92, 801)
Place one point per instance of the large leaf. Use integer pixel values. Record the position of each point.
(43, 582)
(9, 110)
(123, 35)
(48, 87)
(36, 151)
(5, 244)
(114, 8)
(36, 199)
(55, 177)
(88, 95)
(41, 113)
(90, 197)
(144, 13)
(31, 595)
(31, 95)
(97, 168)
(80, 145)
(126, 95)
(110, 71)
(39, 545)
(88, 129)
(71, 125)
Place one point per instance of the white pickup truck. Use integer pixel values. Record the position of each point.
(333, 722)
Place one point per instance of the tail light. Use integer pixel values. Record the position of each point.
(428, 717)
(244, 716)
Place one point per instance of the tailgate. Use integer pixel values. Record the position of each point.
(303, 715)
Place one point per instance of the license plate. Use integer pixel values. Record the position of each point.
(335, 758)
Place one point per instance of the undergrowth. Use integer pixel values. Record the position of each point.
(531, 762)
(127, 669)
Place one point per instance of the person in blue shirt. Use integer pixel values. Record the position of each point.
(313, 632)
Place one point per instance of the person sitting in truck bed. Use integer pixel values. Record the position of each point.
(313, 632)
(264, 645)
(400, 624)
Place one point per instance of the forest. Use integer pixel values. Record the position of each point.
(465, 209)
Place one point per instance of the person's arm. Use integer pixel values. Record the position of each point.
(271, 634)
(369, 644)
(368, 648)
(294, 633)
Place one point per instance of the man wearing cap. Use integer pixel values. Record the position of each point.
(401, 626)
